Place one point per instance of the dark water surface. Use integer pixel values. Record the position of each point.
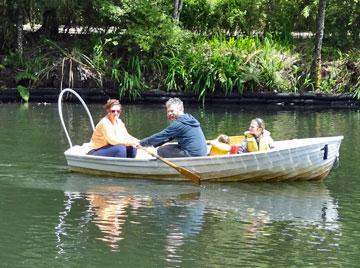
(50, 217)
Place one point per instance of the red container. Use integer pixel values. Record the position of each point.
(234, 149)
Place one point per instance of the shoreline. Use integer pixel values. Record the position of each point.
(96, 95)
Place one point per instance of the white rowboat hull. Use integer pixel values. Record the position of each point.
(291, 160)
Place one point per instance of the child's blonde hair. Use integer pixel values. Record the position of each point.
(223, 138)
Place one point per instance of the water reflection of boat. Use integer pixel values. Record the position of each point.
(180, 211)
(308, 202)
(109, 216)
(110, 206)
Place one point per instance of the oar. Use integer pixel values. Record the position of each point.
(185, 172)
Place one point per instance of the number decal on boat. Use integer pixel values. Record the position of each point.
(325, 148)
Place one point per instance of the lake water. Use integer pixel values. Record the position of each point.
(50, 217)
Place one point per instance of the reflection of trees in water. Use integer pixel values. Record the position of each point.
(310, 123)
(77, 122)
(215, 119)
(183, 220)
(33, 126)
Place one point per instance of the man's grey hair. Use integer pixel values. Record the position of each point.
(176, 102)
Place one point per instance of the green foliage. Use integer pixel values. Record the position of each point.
(229, 65)
(357, 89)
(177, 77)
(143, 22)
(113, 9)
(28, 71)
(301, 79)
(142, 26)
(25, 76)
(129, 76)
(195, 11)
(342, 23)
(341, 75)
(348, 78)
(24, 92)
(232, 16)
(99, 59)
(87, 67)
(219, 46)
(245, 17)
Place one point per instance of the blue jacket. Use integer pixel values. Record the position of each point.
(186, 130)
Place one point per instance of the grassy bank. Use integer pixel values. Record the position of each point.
(200, 65)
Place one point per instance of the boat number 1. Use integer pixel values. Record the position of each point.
(325, 149)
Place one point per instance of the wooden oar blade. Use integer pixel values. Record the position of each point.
(185, 172)
(189, 174)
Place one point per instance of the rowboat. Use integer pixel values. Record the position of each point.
(291, 160)
(297, 159)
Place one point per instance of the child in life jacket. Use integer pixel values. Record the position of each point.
(221, 145)
(257, 138)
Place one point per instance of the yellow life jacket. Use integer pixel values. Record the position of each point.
(218, 148)
(253, 146)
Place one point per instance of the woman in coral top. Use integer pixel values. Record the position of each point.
(111, 137)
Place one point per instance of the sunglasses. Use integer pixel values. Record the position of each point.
(115, 111)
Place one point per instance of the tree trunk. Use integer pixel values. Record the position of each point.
(50, 26)
(177, 9)
(320, 25)
(19, 30)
